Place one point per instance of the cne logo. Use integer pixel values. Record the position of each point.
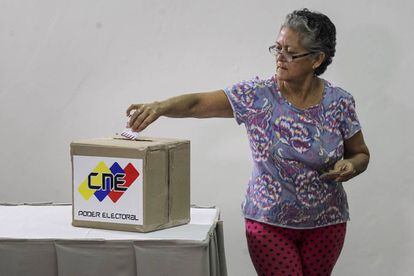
(112, 182)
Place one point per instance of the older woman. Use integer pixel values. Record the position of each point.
(305, 139)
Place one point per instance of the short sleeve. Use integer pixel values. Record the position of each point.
(349, 124)
(243, 98)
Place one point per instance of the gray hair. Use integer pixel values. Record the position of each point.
(317, 33)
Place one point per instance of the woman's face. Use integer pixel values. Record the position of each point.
(288, 41)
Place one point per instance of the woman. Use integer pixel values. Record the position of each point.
(305, 139)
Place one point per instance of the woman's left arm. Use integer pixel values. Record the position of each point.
(356, 158)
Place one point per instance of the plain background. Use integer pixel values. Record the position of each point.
(70, 68)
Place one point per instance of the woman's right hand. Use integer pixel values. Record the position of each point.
(142, 115)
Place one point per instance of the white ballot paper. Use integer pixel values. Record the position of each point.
(130, 134)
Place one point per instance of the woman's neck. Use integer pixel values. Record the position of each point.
(302, 90)
(302, 94)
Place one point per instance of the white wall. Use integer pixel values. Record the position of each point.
(70, 68)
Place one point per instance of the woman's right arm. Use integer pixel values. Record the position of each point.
(195, 105)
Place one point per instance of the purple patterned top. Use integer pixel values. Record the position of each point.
(291, 148)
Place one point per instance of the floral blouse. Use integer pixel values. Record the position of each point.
(291, 148)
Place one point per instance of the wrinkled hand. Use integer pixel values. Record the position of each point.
(143, 115)
(343, 171)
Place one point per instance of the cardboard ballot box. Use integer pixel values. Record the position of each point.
(133, 185)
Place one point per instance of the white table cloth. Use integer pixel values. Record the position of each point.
(40, 240)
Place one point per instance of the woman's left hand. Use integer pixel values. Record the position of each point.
(343, 171)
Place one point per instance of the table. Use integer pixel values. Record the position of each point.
(38, 239)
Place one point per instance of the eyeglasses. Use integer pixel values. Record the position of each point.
(289, 57)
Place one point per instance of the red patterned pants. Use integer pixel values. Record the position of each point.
(284, 251)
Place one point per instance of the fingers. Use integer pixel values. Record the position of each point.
(137, 118)
(331, 175)
(347, 172)
(343, 178)
(148, 120)
(138, 111)
(340, 166)
(142, 118)
(143, 115)
(346, 175)
(343, 171)
(132, 107)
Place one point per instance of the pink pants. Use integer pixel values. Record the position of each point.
(284, 251)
